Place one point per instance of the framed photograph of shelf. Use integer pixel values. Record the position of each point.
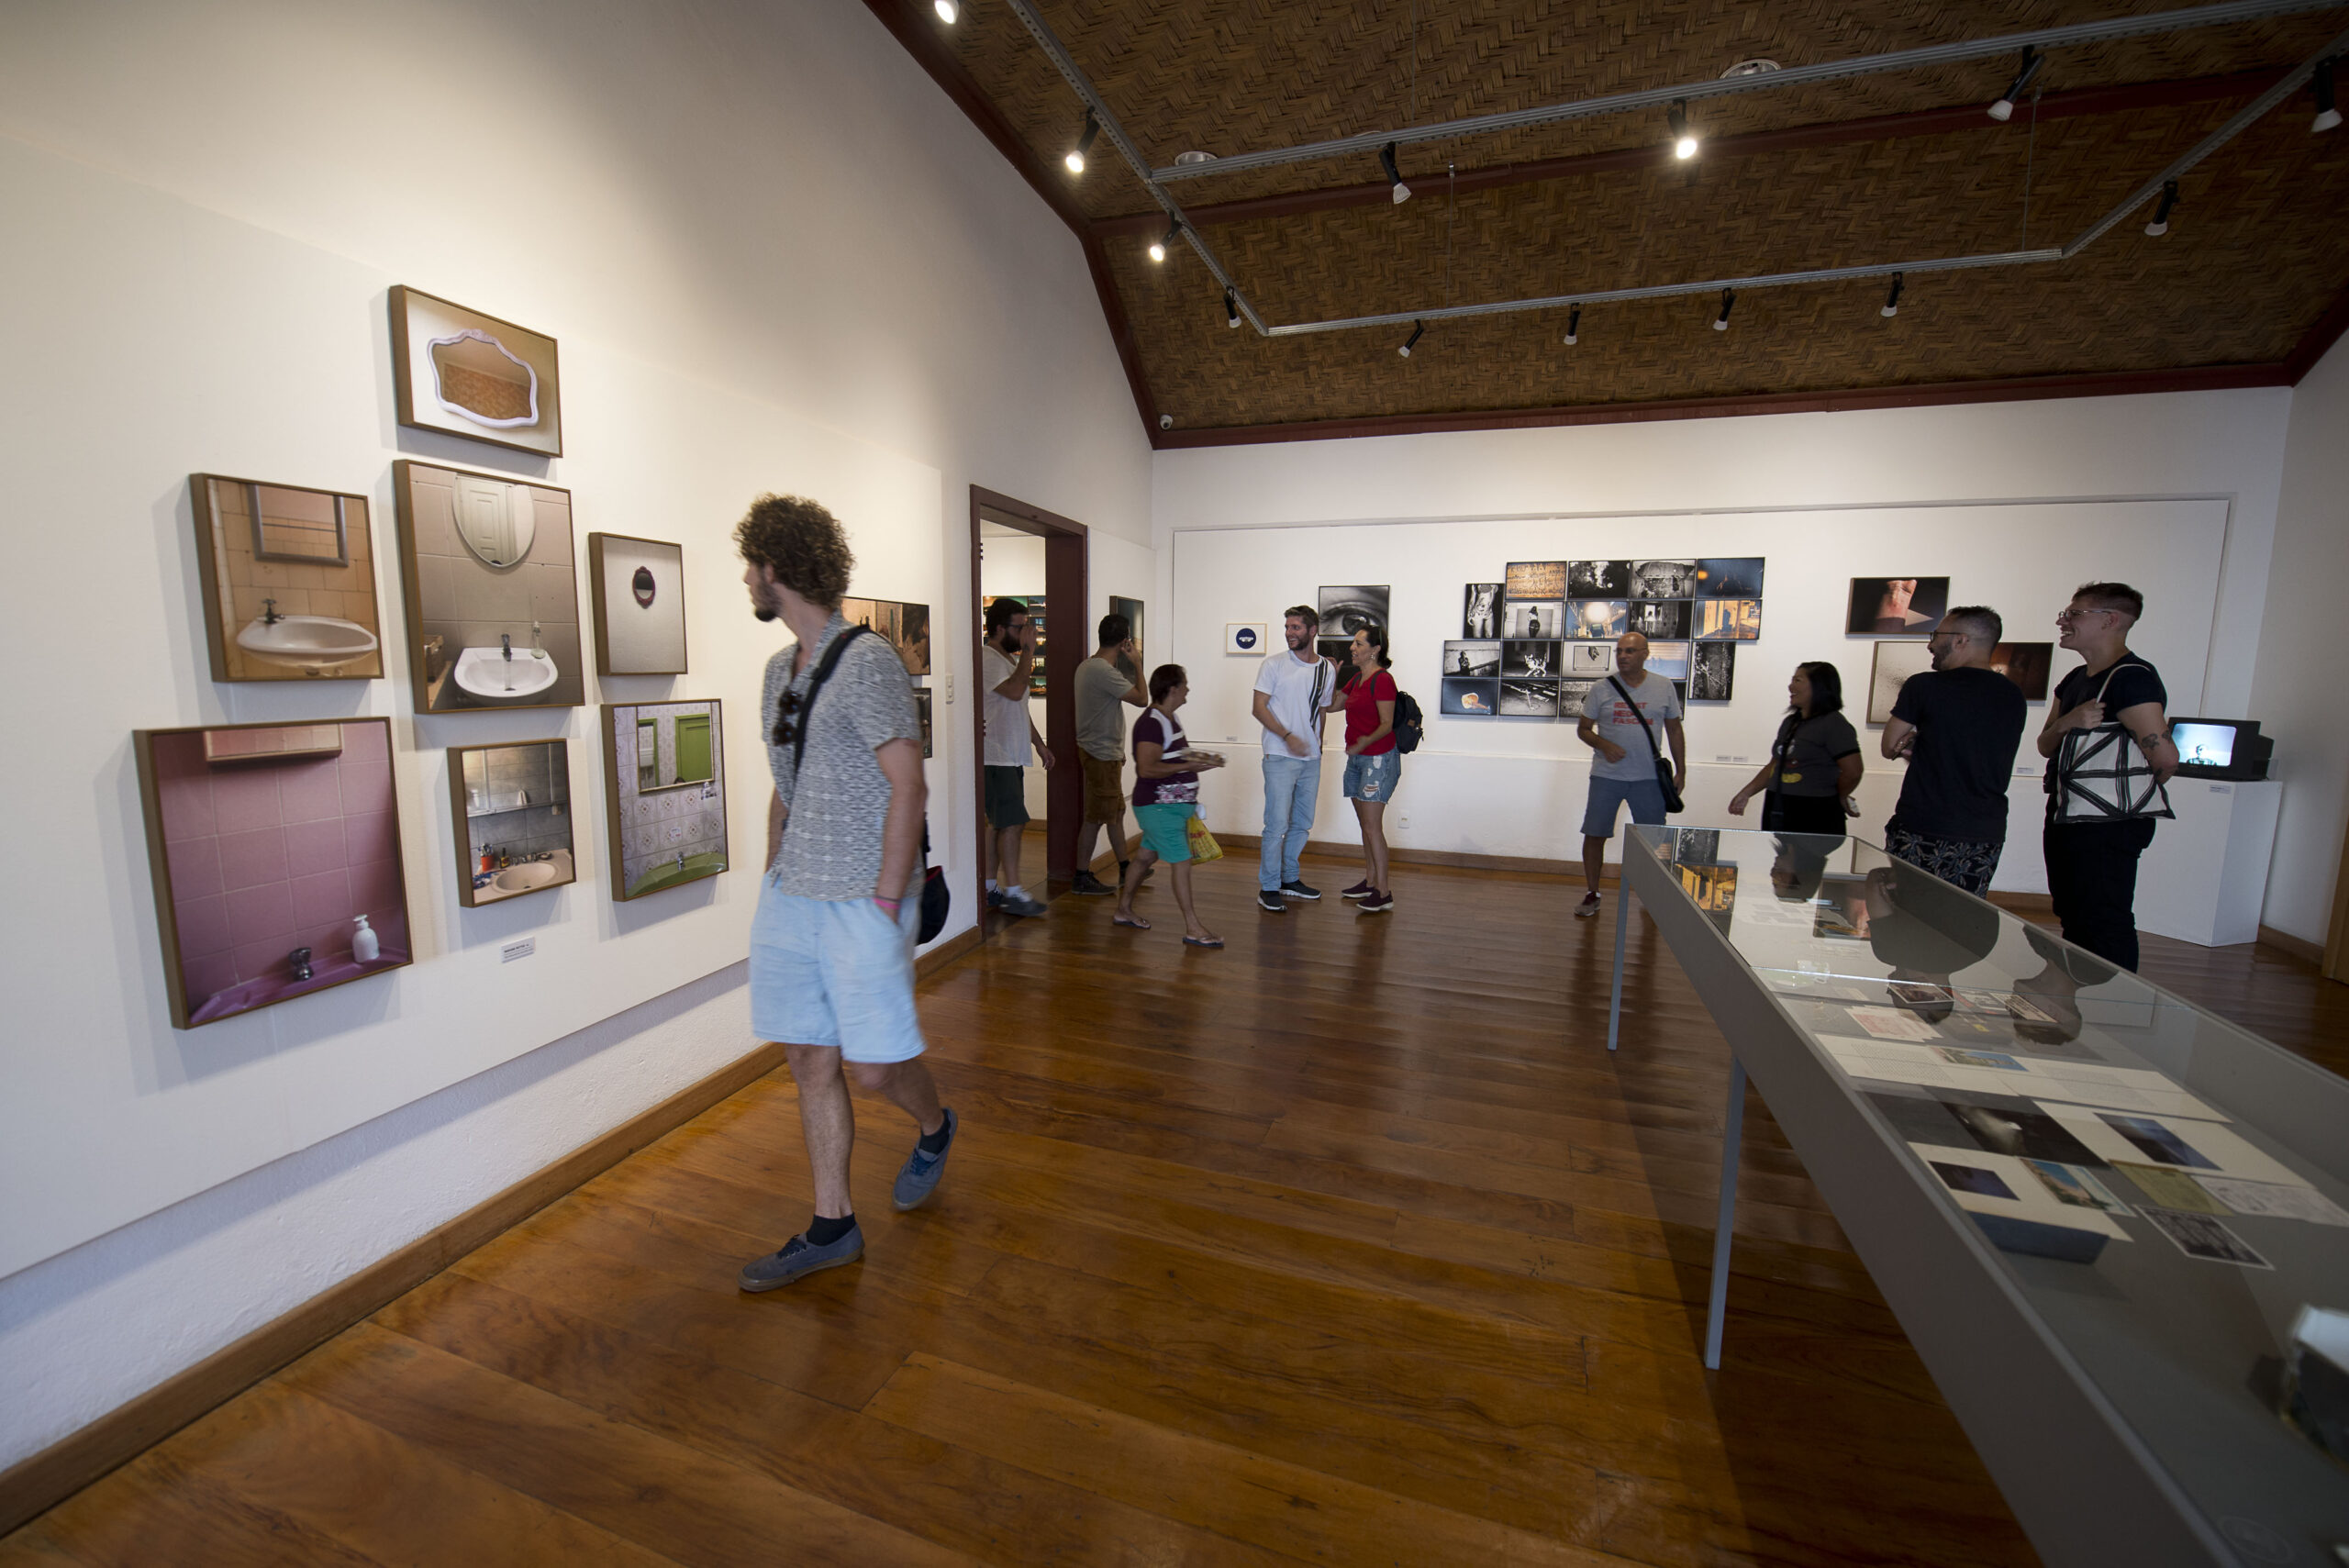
(289, 580)
(462, 373)
(636, 590)
(664, 793)
(513, 805)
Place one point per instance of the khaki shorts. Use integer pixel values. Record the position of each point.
(1104, 789)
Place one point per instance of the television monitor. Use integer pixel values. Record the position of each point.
(2221, 748)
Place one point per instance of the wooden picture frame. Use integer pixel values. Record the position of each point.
(471, 801)
(317, 556)
(480, 377)
(654, 649)
(461, 602)
(648, 816)
(266, 840)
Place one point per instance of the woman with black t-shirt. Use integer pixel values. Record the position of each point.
(1814, 766)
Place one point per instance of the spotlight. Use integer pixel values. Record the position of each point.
(947, 11)
(1417, 327)
(1892, 300)
(1729, 301)
(2005, 107)
(2160, 226)
(1075, 160)
(1158, 247)
(1402, 192)
(1230, 309)
(1684, 145)
(2327, 116)
(1574, 325)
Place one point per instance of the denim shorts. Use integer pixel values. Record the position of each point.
(1644, 796)
(837, 973)
(1372, 778)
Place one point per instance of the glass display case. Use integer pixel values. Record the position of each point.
(2098, 1209)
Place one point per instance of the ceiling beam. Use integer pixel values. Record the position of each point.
(1965, 117)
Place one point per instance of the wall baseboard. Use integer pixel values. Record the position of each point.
(34, 1484)
(946, 952)
(2299, 947)
(1403, 857)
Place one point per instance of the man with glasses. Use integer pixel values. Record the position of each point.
(1959, 724)
(2092, 866)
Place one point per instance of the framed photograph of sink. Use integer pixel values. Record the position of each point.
(513, 805)
(664, 789)
(637, 589)
(289, 580)
(493, 598)
(274, 851)
(464, 373)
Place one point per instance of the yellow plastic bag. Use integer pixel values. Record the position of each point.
(1203, 844)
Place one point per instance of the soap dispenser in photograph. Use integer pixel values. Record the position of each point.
(366, 945)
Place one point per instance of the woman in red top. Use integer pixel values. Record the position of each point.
(1372, 765)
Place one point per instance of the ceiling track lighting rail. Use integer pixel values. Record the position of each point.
(2042, 40)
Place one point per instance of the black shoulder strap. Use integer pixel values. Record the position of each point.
(824, 668)
(1636, 713)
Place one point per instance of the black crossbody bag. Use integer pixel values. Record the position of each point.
(1671, 801)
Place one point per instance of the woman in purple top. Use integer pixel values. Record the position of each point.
(1166, 796)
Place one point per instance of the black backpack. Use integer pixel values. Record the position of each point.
(1410, 724)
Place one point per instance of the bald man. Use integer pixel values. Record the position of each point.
(1623, 771)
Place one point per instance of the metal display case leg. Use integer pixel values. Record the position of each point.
(1622, 924)
(1732, 1137)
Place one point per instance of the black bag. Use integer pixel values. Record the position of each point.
(937, 898)
(1671, 801)
(1410, 724)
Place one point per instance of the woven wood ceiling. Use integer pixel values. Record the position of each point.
(2249, 286)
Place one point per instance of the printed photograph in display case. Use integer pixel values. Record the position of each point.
(1663, 579)
(1589, 658)
(289, 580)
(1529, 698)
(637, 591)
(1598, 579)
(664, 788)
(1534, 580)
(1472, 659)
(1729, 577)
(1728, 620)
(1530, 657)
(493, 601)
(1534, 618)
(1669, 659)
(1897, 606)
(1347, 608)
(1713, 677)
(1894, 662)
(1659, 617)
(464, 373)
(1606, 618)
(1480, 610)
(2026, 665)
(515, 803)
(274, 851)
(1470, 697)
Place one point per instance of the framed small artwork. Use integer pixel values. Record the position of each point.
(492, 600)
(463, 373)
(1894, 662)
(2026, 665)
(1606, 618)
(1347, 609)
(1652, 618)
(1598, 579)
(1130, 608)
(1729, 577)
(515, 805)
(1712, 676)
(1472, 659)
(1663, 579)
(275, 854)
(922, 708)
(912, 640)
(1534, 580)
(1897, 606)
(1538, 659)
(1467, 696)
(664, 792)
(907, 628)
(1245, 637)
(1589, 659)
(1533, 619)
(1728, 620)
(1480, 610)
(1669, 659)
(1529, 698)
(638, 592)
(289, 580)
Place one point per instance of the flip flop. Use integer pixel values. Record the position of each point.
(1196, 943)
(1121, 920)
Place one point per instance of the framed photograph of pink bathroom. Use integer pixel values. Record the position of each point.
(275, 854)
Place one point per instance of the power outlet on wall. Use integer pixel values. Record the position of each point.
(950, 688)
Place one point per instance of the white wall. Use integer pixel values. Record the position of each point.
(2299, 696)
(736, 218)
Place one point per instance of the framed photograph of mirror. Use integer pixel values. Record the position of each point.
(274, 851)
(636, 593)
(492, 604)
(289, 580)
(463, 373)
(664, 792)
(513, 805)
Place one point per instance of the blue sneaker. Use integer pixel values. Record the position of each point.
(919, 1177)
(798, 1257)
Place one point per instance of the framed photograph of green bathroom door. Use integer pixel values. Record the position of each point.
(664, 792)
(493, 593)
(289, 580)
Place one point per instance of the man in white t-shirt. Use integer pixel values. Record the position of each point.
(1293, 691)
(1008, 664)
(1623, 772)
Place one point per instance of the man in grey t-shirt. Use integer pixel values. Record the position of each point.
(1106, 684)
(1623, 774)
(832, 941)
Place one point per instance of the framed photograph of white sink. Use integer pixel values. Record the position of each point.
(492, 590)
(637, 589)
(463, 373)
(512, 807)
(664, 792)
(289, 580)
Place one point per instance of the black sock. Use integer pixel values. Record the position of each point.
(935, 1143)
(822, 1232)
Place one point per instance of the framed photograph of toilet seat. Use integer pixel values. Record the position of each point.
(463, 373)
(637, 591)
(492, 599)
(288, 576)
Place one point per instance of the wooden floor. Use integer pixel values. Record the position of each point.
(1346, 1244)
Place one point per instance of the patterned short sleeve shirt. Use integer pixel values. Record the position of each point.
(832, 840)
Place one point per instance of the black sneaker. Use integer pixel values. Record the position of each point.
(799, 1257)
(1377, 904)
(1298, 890)
(1270, 902)
(1086, 882)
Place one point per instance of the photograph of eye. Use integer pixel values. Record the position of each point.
(1346, 610)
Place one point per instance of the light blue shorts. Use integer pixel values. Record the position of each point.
(1644, 796)
(1372, 779)
(837, 973)
(1167, 829)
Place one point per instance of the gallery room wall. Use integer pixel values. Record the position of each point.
(732, 221)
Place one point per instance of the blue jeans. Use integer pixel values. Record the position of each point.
(1292, 785)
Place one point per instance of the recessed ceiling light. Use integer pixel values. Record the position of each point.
(946, 9)
(1751, 68)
